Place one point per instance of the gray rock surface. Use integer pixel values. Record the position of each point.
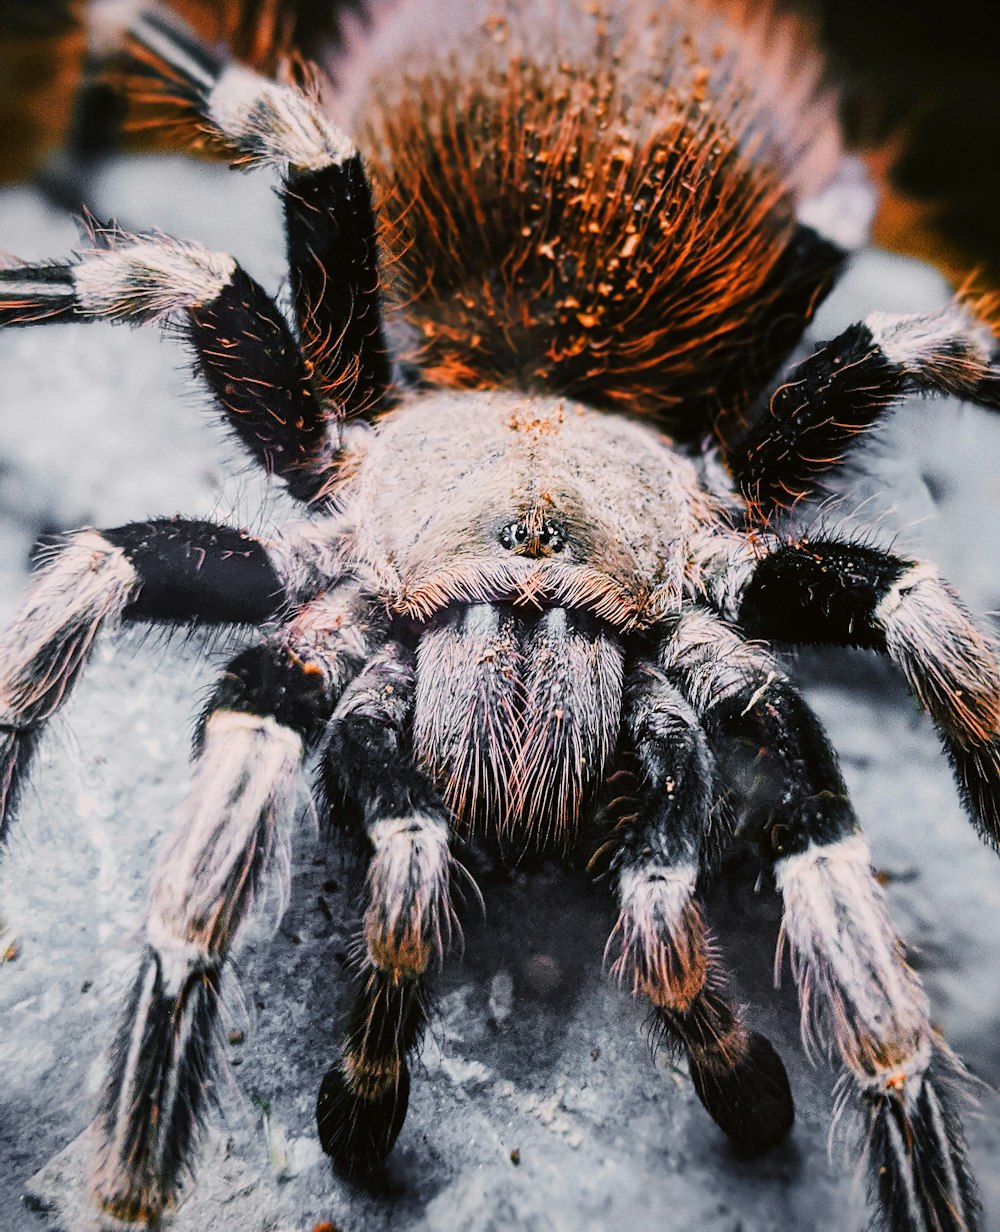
(533, 1055)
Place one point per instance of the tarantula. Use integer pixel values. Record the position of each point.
(515, 366)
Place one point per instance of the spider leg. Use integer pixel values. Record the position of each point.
(665, 951)
(234, 834)
(167, 570)
(846, 387)
(243, 346)
(408, 919)
(853, 980)
(329, 221)
(836, 592)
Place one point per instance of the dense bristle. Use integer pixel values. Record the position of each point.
(356, 1133)
(637, 259)
(917, 1157)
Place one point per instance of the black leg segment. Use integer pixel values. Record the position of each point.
(253, 366)
(334, 268)
(848, 384)
(198, 571)
(363, 1099)
(408, 919)
(851, 594)
(666, 953)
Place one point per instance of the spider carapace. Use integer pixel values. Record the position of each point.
(526, 394)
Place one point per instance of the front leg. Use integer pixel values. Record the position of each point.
(814, 591)
(233, 837)
(666, 953)
(408, 919)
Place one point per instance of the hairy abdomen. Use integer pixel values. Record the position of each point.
(592, 199)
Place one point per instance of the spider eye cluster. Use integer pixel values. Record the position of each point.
(550, 536)
(513, 535)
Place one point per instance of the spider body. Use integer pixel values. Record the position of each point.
(531, 544)
(591, 227)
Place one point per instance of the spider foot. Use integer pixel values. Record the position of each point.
(16, 748)
(917, 1153)
(750, 1099)
(977, 769)
(357, 1129)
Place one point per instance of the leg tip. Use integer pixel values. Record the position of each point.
(359, 1133)
(751, 1102)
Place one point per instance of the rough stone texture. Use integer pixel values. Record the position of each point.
(532, 1050)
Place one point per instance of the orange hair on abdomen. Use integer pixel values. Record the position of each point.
(590, 198)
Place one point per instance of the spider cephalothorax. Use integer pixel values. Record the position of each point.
(593, 223)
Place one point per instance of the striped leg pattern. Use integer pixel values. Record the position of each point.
(849, 384)
(824, 590)
(243, 345)
(233, 838)
(409, 916)
(329, 221)
(666, 953)
(854, 983)
(169, 570)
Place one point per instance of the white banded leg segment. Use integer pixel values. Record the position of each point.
(233, 837)
(134, 278)
(953, 667)
(665, 953)
(272, 123)
(363, 1098)
(264, 121)
(951, 351)
(667, 956)
(85, 586)
(145, 278)
(713, 663)
(244, 347)
(409, 919)
(659, 845)
(855, 984)
(660, 932)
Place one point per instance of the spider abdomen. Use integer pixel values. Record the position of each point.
(596, 200)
